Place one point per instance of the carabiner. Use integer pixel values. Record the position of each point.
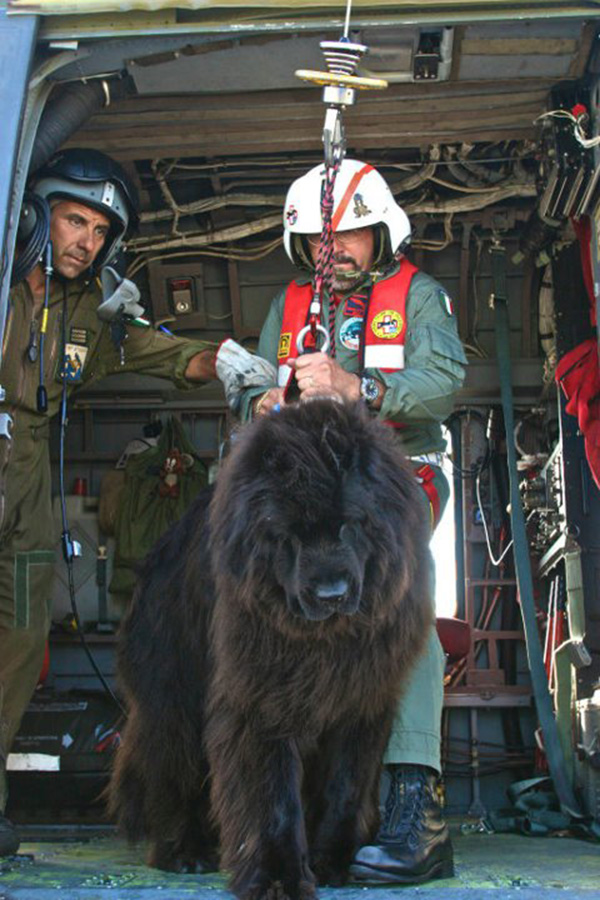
(304, 331)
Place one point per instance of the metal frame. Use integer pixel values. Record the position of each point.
(17, 38)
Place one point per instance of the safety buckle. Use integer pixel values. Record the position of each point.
(424, 474)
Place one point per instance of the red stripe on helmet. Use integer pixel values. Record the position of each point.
(343, 204)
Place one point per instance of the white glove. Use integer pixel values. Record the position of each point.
(238, 369)
(119, 296)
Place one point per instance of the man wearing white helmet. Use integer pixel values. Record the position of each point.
(91, 205)
(395, 347)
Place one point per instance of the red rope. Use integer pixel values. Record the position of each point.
(332, 311)
(324, 265)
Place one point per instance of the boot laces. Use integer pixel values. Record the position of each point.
(404, 807)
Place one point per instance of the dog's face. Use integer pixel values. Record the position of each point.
(318, 501)
(320, 565)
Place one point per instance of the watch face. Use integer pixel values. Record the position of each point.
(369, 389)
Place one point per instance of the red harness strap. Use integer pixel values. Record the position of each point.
(425, 476)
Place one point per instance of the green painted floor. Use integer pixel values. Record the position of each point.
(502, 866)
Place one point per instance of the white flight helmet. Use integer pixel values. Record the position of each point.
(361, 197)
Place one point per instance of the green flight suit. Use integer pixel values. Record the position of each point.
(420, 396)
(27, 532)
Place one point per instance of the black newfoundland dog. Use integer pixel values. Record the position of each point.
(265, 652)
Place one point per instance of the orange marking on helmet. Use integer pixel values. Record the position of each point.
(343, 204)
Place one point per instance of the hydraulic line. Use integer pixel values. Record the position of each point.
(545, 711)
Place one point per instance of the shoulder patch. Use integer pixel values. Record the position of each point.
(285, 343)
(387, 324)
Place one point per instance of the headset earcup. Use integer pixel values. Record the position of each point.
(27, 221)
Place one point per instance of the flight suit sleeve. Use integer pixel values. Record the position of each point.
(267, 349)
(148, 352)
(434, 359)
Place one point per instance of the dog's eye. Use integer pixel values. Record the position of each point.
(270, 532)
(351, 533)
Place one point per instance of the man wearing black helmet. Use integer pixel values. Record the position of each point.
(92, 206)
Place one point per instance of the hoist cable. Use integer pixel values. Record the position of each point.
(347, 19)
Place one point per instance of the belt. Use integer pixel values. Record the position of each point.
(434, 459)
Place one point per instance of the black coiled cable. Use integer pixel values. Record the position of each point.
(68, 544)
(35, 243)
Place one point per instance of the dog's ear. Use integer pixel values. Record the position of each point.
(239, 521)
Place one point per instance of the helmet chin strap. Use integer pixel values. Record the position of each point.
(348, 274)
(343, 282)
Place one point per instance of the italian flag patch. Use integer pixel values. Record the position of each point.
(447, 303)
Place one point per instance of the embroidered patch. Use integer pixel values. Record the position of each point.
(447, 303)
(79, 336)
(350, 333)
(355, 306)
(291, 215)
(73, 363)
(387, 324)
(360, 207)
(284, 345)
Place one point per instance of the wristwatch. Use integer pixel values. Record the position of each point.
(369, 389)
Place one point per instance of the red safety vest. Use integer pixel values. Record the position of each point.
(381, 343)
(383, 333)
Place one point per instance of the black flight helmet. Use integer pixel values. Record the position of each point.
(95, 180)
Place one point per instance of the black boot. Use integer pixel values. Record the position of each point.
(413, 843)
(9, 840)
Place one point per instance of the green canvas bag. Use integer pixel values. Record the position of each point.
(160, 483)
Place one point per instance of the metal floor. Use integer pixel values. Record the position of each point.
(499, 866)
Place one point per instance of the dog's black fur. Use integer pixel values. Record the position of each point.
(265, 651)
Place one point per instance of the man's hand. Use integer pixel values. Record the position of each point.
(319, 375)
(201, 367)
(264, 403)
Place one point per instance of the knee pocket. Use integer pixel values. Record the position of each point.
(32, 589)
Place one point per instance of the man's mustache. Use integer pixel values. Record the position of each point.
(344, 258)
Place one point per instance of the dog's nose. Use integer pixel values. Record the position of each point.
(332, 590)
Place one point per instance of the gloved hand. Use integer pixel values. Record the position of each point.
(120, 296)
(238, 369)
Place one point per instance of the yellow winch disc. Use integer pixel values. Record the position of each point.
(332, 78)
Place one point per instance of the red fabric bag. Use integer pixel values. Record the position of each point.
(578, 374)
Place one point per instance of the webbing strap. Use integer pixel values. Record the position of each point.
(543, 701)
(426, 477)
(534, 811)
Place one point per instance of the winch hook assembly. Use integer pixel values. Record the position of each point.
(340, 83)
